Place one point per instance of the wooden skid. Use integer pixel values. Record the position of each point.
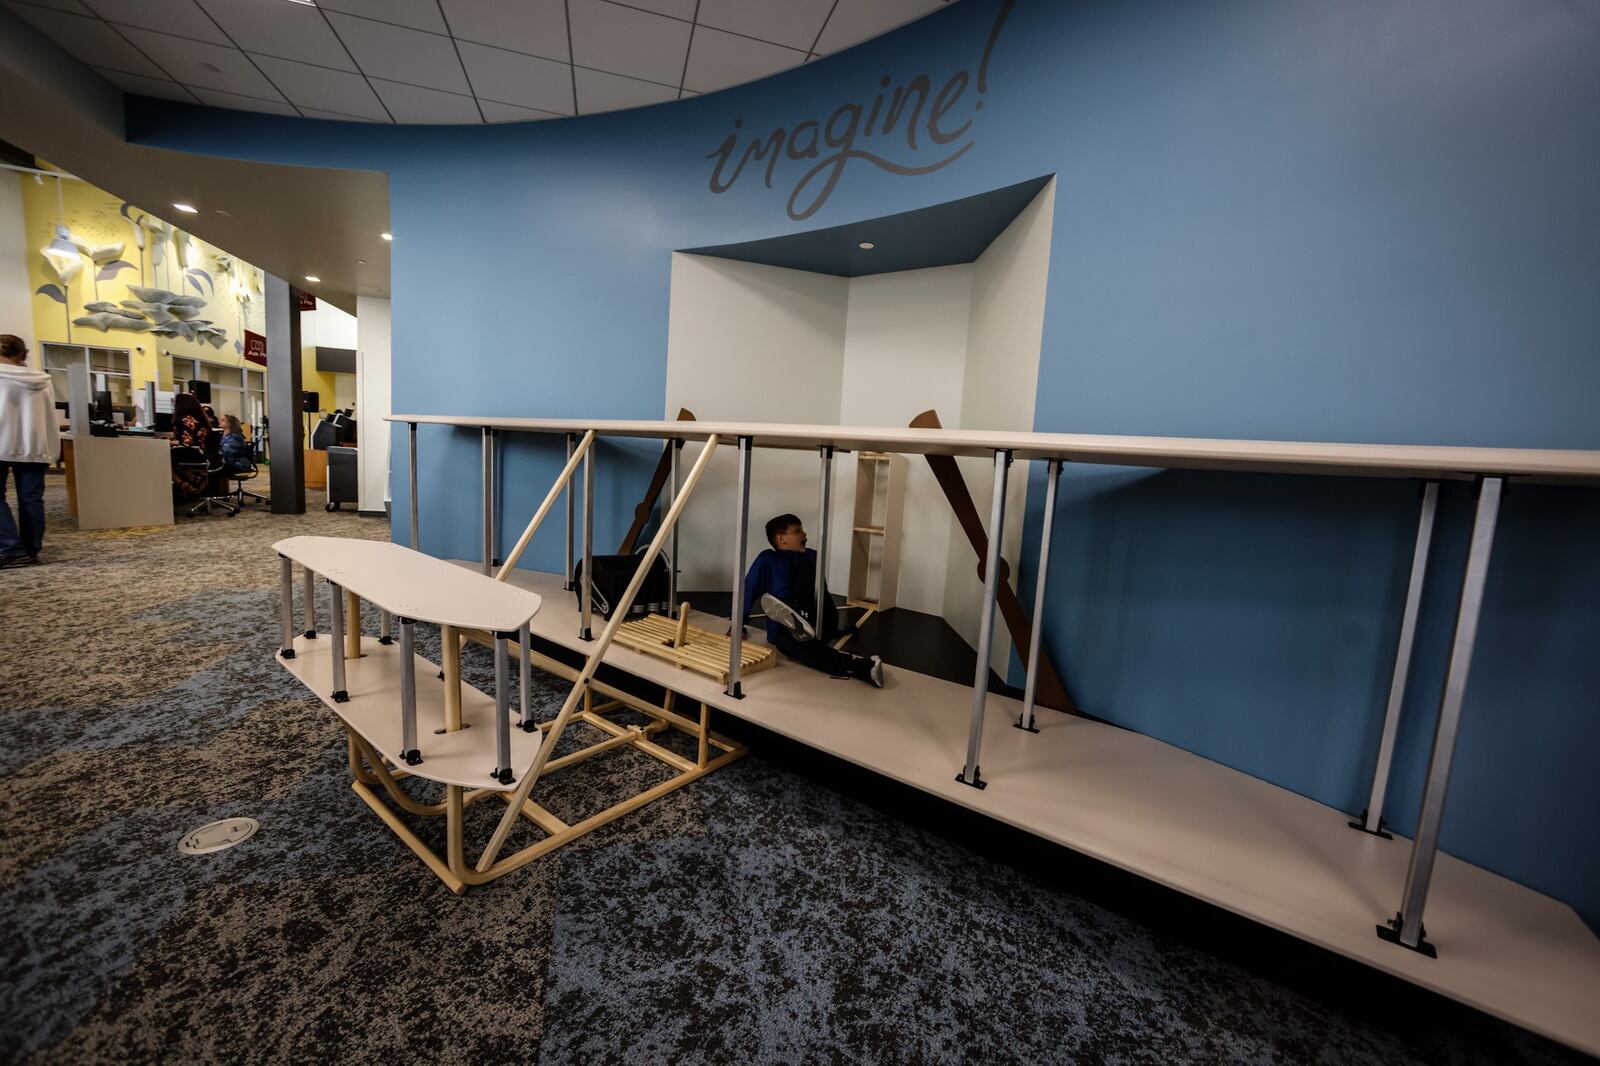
(702, 651)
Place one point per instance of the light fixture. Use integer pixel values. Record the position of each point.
(63, 255)
(313, 278)
(210, 68)
(188, 209)
(866, 246)
(62, 252)
(305, 3)
(361, 262)
(387, 236)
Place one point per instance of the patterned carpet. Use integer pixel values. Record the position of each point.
(757, 916)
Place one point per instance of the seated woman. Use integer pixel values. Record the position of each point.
(235, 449)
(190, 429)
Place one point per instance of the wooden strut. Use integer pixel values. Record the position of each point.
(1051, 692)
(581, 687)
(544, 508)
(658, 481)
(372, 774)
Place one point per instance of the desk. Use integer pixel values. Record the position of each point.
(316, 469)
(118, 482)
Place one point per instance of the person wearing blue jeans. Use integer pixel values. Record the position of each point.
(29, 443)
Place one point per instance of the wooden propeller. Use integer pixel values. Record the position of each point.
(1051, 692)
(658, 481)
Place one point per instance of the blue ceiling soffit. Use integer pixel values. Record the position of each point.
(955, 232)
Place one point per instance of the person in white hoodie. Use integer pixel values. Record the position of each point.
(29, 443)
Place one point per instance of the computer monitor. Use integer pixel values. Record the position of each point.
(163, 421)
(201, 390)
(100, 409)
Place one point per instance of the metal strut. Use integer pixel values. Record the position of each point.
(1030, 687)
(991, 579)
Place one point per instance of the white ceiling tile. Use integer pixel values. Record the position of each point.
(178, 17)
(418, 14)
(398, 54)
(232, 70)
(538, 27)
(514, 78)
(323, 89)
(682, 9)
(89, 39)
(236, 102)
(74, 6)
(311, 112)
(718, 60)
(854, 21)
(493, 111)
(409, 103)
(293, 31)
(624, 41)
(610, 92)
(795, 23)
(138, 85)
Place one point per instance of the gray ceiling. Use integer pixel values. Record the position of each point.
(450, 61)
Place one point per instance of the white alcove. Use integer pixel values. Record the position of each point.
(751, 341)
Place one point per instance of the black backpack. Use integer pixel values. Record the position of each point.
(611, 576)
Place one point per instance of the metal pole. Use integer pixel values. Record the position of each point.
(524, 650)
(286, 606)
(566, 575)
(823, 505)
(502, 708)
(1371, 820)
(408, 692)
(336, 597)
(308, 606)
(991, 581)
(416, 536)
(385, 627)
(494, 498)
(488, 500)
(672, 563)
(1406, 926)
(741, 520)
(1030, 687)
(584, 630)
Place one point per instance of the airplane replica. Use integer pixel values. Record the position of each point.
(1165, 814)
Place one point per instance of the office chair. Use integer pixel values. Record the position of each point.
(209, 462)
(239, 477)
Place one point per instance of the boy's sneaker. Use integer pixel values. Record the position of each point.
(9, 561)
(787, 617)
(868, 670)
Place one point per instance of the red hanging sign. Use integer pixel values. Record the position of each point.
(255, 348)
(308, 301)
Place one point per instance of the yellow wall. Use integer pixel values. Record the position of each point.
(313, 380)
(95, 218)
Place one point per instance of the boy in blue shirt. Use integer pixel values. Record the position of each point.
(783, 580)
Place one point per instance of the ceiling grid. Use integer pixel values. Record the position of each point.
(451, 61)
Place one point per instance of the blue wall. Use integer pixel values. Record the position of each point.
(1309, 221)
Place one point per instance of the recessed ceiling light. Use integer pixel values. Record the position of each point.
(307, 3)
(387, 236)
(188, 209)
(210, 68)
(361, 262)
(220, 211)
(312, 278)
(866, 246)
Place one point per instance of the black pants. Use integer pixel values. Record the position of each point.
(818, 655)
